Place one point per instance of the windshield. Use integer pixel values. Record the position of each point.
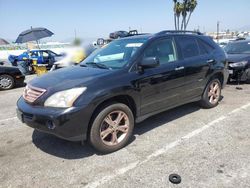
(238, 48)
(115, 55)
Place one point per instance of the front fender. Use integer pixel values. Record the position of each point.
(98, 97)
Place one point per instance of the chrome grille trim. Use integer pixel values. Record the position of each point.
(31, 93)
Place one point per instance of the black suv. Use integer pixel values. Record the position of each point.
(125, 82)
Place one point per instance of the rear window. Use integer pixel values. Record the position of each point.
(188, 45)
(204, 47)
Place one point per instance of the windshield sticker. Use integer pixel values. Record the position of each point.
(171, 57)
(111, 57)
(134, 45)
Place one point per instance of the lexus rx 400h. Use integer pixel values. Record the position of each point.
(123, 83)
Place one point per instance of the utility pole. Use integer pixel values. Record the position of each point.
(218, 30)
(75, 34)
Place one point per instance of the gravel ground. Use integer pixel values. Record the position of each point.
(207, 148)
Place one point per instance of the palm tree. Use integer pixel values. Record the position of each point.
(182, 9)
(177, 11)
(191, 6)
(184, 13)
(175, 1)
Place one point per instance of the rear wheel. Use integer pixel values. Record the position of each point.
(112, 128)
(212, 94)
(6, 82)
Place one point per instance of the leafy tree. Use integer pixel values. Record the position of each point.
(185, 8)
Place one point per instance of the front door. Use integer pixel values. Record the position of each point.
(160, 87)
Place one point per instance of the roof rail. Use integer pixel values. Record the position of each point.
(178, 31)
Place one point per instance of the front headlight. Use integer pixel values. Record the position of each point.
(64, 99)
(238, 64)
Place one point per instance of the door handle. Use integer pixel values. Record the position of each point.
(210, 61)
(179, 68)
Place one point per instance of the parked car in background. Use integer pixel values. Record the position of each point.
(28, 59)
(239, 60)
(122, 34)
(118, 34)
(47, 57)
(10, 77)
(102, 42)
(223, 42)
(125, 82)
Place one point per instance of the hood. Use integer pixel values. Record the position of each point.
(4, 68)
(67, 78)
(232, 58)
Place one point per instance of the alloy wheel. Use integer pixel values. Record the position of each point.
(5, 82)
(214, 92)
(114, 128)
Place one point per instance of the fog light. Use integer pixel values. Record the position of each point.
(51, 125)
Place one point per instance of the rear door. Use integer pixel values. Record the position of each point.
(196, 61)
(45, 57)
(161, 87)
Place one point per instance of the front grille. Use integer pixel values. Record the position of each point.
(31, 94)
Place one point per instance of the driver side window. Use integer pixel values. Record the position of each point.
(163, 49)
(45, 54)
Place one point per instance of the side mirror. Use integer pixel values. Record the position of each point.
(150, 62)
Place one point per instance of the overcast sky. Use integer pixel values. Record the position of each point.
(97, 18)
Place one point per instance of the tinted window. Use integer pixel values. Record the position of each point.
(162, 49)
(188, 46)
(204, 47)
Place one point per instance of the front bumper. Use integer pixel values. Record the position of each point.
(19, 80)
(70, 124)
(237, 73)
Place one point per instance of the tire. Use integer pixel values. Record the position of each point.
(6, 82)
(174, 178)
(248, 76)
(109, 137)
(210, 97)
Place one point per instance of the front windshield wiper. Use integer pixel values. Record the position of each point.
(99, 65)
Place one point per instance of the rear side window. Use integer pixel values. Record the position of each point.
(204, 47)
(163, 49)
(188, 45)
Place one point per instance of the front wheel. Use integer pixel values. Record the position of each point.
(112, 128)
(6, 82)
(212, 94)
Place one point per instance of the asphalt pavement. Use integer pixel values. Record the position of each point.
(206, 147)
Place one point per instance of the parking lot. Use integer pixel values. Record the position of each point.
(207, 148)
